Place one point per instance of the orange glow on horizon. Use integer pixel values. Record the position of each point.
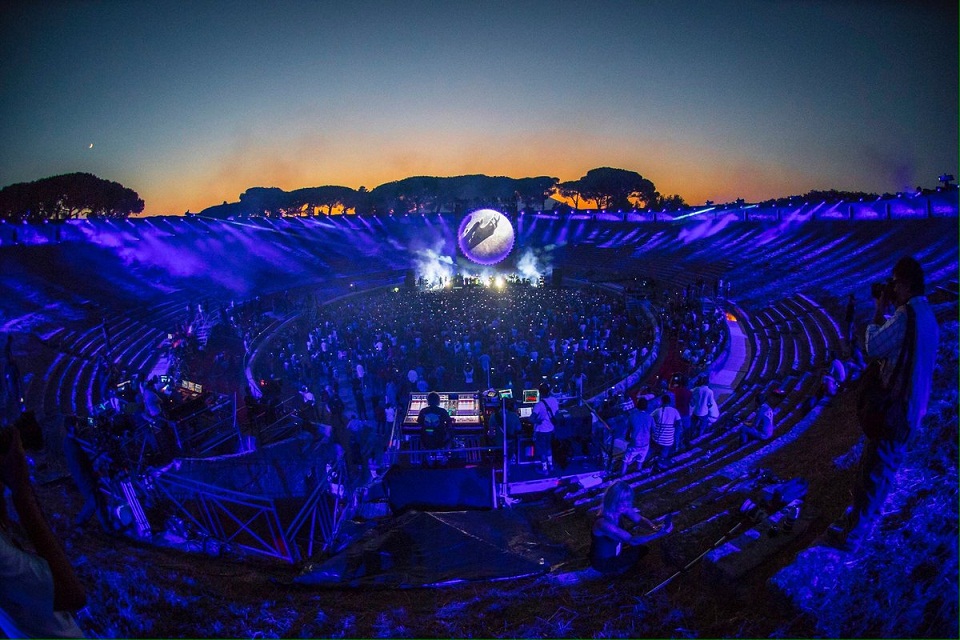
(709, 176)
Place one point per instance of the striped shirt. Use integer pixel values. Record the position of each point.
(665, 421)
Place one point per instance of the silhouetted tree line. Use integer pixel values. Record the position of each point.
(71, 195)
(605, 188)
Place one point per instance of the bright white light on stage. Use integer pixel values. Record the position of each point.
(500, 282)
(433, 267)
(530, 266)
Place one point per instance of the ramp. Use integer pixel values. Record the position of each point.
(419, 549)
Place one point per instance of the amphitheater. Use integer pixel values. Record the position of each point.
(243, 522)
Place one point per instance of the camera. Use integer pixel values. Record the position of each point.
(881, 289)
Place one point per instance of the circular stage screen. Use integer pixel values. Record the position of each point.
(485, 236)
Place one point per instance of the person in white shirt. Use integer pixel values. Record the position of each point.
(638, 438)
(912, 331)
(543, 416)
(703, 406)
(664, 429)
(762, 428)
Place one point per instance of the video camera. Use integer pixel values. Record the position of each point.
(881, 289)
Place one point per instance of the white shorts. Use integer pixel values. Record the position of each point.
(636, 453)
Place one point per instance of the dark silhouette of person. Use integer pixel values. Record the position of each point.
(41, 587)
(481, 230)
(434, 423)
(82, 471)
(906, 345)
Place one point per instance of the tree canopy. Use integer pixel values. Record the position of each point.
(71, 195)
(607, 187)
(610, 188)
(417, 194)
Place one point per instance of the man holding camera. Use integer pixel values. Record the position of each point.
(911, 329)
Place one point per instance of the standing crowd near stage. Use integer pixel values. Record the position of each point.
(392, 343)
(381, 346)
(387, 344)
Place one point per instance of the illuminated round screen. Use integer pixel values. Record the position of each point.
(485, 236)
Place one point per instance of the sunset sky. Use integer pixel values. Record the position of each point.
(190, 103)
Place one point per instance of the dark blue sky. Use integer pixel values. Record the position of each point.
(191, 103)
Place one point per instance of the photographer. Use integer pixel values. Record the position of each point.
(36, 591)
(906, 346)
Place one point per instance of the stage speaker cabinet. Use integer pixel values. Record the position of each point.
(557, 278)
(410, 281)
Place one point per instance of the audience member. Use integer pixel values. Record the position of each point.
(848, 317)
(682, 400)
(664, 428)
(837, 370)
(84, 476)
(37, 592)
(614, 550)
(638, 435)
(390, 415)
(762, 427)
(701, 401)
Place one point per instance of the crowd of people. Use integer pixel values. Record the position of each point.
(471, 338)
(391, 343)
(658, 421)
(701, 333)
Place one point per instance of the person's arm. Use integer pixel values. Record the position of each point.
(613, 530)
(657, 533)
(68, 591)
(635, 516)
(883, 338)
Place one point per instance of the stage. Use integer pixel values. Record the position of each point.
(480, 486)
(527, 478)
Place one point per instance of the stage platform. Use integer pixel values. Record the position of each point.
(527, 478)
(480, 486)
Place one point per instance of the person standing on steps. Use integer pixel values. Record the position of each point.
(666, 419)
(542, 416)
(906, 345)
